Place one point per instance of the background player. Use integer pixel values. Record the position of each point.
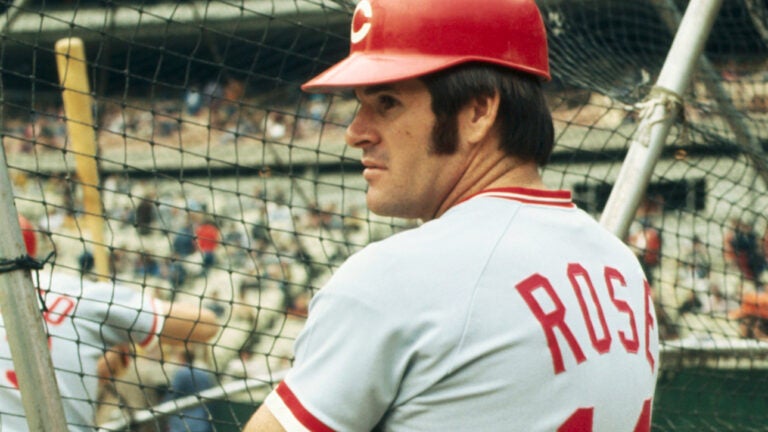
(81, 325)
(509, 308)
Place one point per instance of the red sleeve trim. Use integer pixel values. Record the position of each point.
(152, 331)
(299, 412)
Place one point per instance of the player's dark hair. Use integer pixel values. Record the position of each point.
(524, 121)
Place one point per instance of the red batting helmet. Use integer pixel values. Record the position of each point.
(393, 40)
(28, 232)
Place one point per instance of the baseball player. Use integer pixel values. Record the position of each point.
(82, 318)
(508, 309)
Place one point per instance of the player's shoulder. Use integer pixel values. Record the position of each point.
(75, 285)
(381, 259)
(63, 282)
(421, 256)
(414, 246)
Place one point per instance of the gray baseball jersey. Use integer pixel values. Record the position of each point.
(514, 311)
(82, 319)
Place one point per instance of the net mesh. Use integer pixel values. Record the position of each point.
(203, 134)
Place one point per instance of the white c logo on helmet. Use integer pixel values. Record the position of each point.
(363, 7)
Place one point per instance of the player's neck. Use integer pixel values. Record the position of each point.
(487, 166)
(492, 173)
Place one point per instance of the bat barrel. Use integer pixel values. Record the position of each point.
(78, 108)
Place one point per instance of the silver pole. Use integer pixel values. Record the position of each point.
(660, 109)
(712, 82)
(23, 324)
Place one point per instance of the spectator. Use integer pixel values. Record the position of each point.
(645, 240)
(212, 94)
(208, 237)
(276, 126)
(176, 274)
(146, 213)
(184, 240)
(118, 263)
(190, 379)
(85, 262)
(193, 100)
(749, 258)
(696, 262)
(752, 316)
(693, 275)
(30, 236)
(236, 242)
(69, 195)
(146, 266)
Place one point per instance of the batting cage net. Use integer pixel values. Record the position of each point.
(212, 181)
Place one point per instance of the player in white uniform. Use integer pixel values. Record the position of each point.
(509, 309)
(82, 319)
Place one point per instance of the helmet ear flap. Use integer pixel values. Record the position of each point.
(29, 235)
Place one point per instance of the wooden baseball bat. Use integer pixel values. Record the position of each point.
(78, 111)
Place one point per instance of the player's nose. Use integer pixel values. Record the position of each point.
(361, 131)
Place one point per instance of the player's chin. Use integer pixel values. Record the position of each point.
(384, 203)
(376, 205)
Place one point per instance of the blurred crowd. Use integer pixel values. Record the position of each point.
(216, 113)
(254, 259)
(734, 292)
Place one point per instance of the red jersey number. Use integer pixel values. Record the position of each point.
(582, 420)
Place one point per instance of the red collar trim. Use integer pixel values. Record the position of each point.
(556, 198)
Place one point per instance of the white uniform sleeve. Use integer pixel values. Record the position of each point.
(349, 362)
(123, 314)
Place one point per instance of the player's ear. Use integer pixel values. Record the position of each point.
(477, 118)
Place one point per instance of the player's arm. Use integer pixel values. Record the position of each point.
(186, 322)
(113, 362)
(263, 421)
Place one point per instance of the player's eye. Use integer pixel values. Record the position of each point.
(386, 102)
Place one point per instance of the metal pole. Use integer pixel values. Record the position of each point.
(24, 325)
(712, 81)
(660, 109)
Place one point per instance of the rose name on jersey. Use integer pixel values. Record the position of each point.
(549, 309)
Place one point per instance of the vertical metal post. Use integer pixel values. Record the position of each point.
(23, 324)
(661, 108)
(712, 82)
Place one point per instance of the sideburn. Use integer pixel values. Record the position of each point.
(445, 135)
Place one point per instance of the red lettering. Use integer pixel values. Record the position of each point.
(613, 276)
(551, 320)
(10, 374)
(644, 422)
(575, 273)
(58, 310)
(650, 323)
(582, 420)
(543, 301)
